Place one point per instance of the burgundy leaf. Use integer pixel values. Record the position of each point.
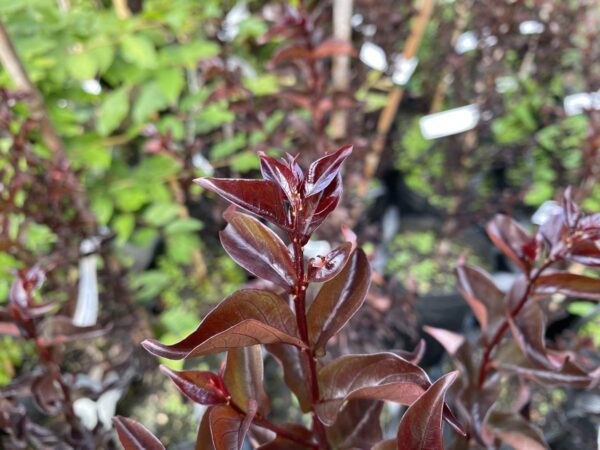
(290, 53)
(421, 425)
(380, 376)
(511, 238)
(243, 378)
(199, 386)
(57, 330)
(569, 374)
(204, 437)
(483, 296)
(323, 171)
(416, 355)
(570, 209)
(228, 427)
(321, 269)
(357, 425)
(552, 230)
(257, 249)
(247, 317)
(388, 444)
(529, 329)
(516, 432)
(578, 286)
(585, 252)
(281, 443)
(46, 394)
(338, 300)
(331, 48)
(459, 350)
(260, 197)
(280, 174)
(134, 436)
(295, 368)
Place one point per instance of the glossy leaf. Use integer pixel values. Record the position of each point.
(260, 197)
(380, 376)
(421, 425)
(516, 432)
(357, 425)
(199, 386)
(247, 317)
(318, 207)
(281, 174)
(511, 238)
(323, 171)
(529, 329)
(228, 427)
(416, 355)
(322, 269)
(483, 296)
(295, 368)
(204, 436)
(281, 443)
(338, 300)
(577, 286)
(569, 374)
(243, 378)
(257, 249)
(134, 436)
(586, 253)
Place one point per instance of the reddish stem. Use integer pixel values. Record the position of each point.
(487, 354)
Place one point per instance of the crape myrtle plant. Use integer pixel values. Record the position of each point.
(554, 264)
(344, 396)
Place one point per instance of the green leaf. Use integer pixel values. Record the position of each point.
(180, 247)
(245, 162)
(229, 146)
(39, 238)
(139, 50)
(188, 54)
(267, 84)
(103, 208)
(171, 82)
(123, 226)
(103, 52)
(157, 167)
(159, 214)
(82, 66)
(150, 100)
(186, 225)
(130, 198)
(150, 284)
(112, 112)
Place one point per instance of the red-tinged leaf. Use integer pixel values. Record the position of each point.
(357, 425)
(280, 174)
(323, 171)
(295, 368)
(528, 330)
(421, 425)
(459, 350)
(380, 376)
(577, 286)
(9, 329)
(483, 296)
(257, 249)
(586, 253)
(570, 209)
(243, 378)
(134, 436)
(416, 355)
(228, 428)
(338, 300)
(318, 207)
(451, 341)
(476, 404)
(204, 436)
(511, 238)
(388, 444)
(46, 394)
(281, 443)
(260, 197)
(291, 53)
(552, 230)
(516, 432)
(199, 386)
(509, 358)
(331, 48)
(57, 330)
(322, 269)
(247, 317)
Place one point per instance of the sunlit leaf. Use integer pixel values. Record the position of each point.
(134, 436)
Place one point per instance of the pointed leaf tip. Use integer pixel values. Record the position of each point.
(135, 436)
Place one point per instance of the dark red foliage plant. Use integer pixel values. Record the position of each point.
(512, 352)
(343, 396)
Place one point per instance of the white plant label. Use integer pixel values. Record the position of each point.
(373, 56)
(577, 103)
(403, 69)
(447, 123)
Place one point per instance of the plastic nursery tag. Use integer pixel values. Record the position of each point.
(403, 69)
(466, 42)
(373, 56)
(577, 103)
(449, 122)
(531, 27)
(86, 310)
